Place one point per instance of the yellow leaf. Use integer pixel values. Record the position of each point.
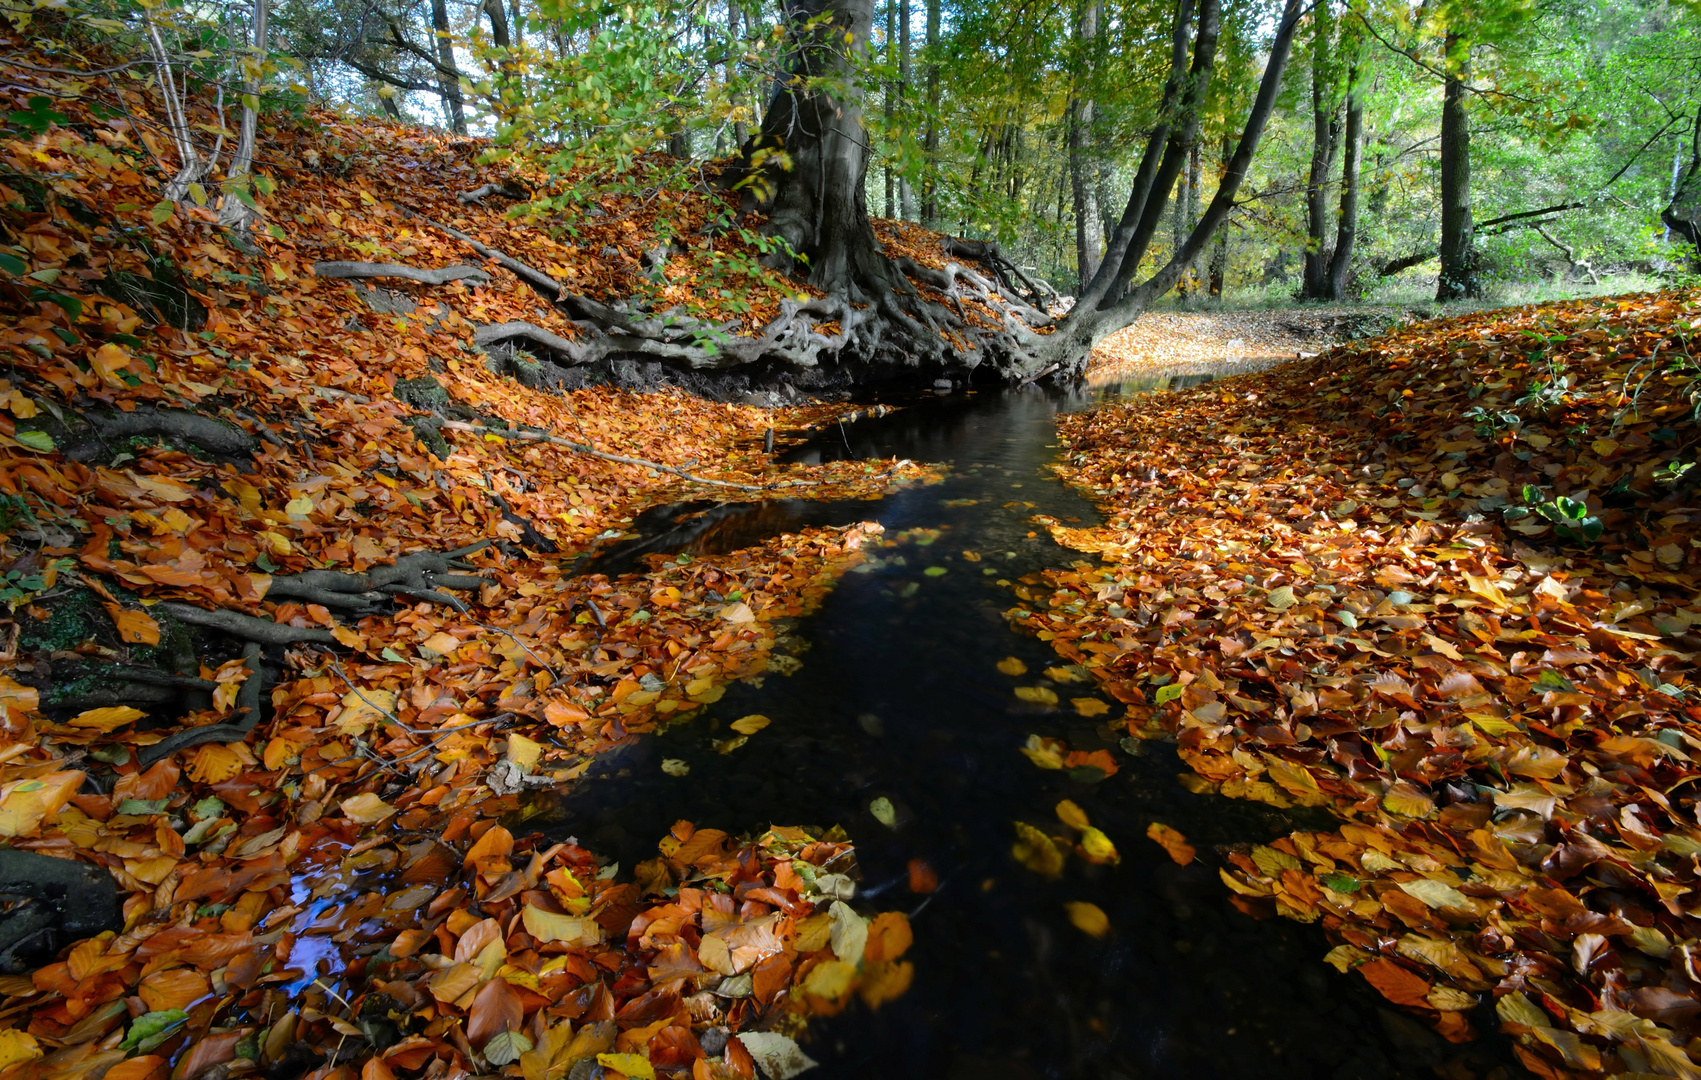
(631, 1066)
(1043, 752)
(246, 494)
(1486, 589)
(16, 1046)
(1088, 706)
(134, 627)
(25, 804)
(1604, 447)
(1036, 851)
(1038, 695)
(523, 751)
(1012, 666)
(727, 746)
(549, 926)
(1491, 724)
(1404, 798)
(1072, 815)
(108, 361)
(1090, 919)
(830, 979)
(361, 712)
(1061, 674)
(751, 724)
(1097, 846)
(349, 639)
(441, 643)
(108, 719)
(299, 507)
(214, 764)
(367, 809)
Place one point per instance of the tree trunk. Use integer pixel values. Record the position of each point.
(1346, 226)
(1220, 251)
(930, 145)
(236, 210)
(906, 193)
(1083, 171)
(1458, 235)
(1682, 215)
(1104, 309)
(499, 31)
(891, 105)
(1325, 137)
(448, 80)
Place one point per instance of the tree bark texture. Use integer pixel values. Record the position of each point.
(1346, 223)
(1325, 139)
(1083, 170)
(930, 144)
(1458, 235)
(449, 84)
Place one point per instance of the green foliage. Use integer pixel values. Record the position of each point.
(1570, 517)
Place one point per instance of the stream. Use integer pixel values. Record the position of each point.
(898, 697)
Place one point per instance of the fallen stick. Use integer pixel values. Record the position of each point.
(397, 270)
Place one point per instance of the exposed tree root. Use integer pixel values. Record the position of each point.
(248, 701)
(397, 270)
(66, 900)
(247, 627)
(94, 437)
(511, 189)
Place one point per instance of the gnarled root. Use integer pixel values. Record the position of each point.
(248, 701)
(397, 270)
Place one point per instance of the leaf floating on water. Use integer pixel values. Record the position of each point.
(727, 746)
(1036, 851)
(750, 725)
(1046, 753)
(676, 766)
(936, 571)
(1038, 695)
(1172, 842)
(1012, 666)
(923, 879)
(1087, 706)
(883, 812)
(1096, 847)
(1072, 815)
(1088, 918)
(1062, 675)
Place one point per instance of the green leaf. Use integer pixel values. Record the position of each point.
(150, 1029)
(36, 440)
(1341, 883)
(1553, 682)
(264, 185)
(883, 812)
(163, 210)
(210, 807)
(13, 265)
(393, 656)
(140, 807)
(198, 193)
(1167, 694)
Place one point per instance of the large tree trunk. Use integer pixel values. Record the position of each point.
(906, 72)
(1325, 138)
(1458, 235)
(1682, 215)
(930, 144)
(1346, 225)
(1220, 250)
(448, 82)
(1083, 171)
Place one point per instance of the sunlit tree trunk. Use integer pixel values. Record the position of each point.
(1083, 171)
(906, 193)
(1325, 140)
(448, 78)
(1346, 225)
(1458, 234)
(930, 145)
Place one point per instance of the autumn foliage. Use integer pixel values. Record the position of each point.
(1440, 584)
(331, 893)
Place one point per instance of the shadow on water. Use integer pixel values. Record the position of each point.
(898, 697)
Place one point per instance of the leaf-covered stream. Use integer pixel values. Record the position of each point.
(899, 697)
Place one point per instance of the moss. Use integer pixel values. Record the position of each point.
(422, 393)
(71, 620)
(430, 437)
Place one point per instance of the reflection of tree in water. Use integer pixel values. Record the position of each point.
(708, 528)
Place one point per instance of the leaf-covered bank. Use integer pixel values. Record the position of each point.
(1440, 584)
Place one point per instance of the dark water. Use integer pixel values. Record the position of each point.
(898, 697)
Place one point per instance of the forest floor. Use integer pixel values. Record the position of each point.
(297, 620)
(1228, 342)
(1442, 584)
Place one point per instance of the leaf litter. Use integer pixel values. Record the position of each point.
(330, 890)
(1441, 585)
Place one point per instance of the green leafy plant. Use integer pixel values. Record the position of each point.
(1570, 517)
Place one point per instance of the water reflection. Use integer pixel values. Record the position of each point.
(898, 697)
